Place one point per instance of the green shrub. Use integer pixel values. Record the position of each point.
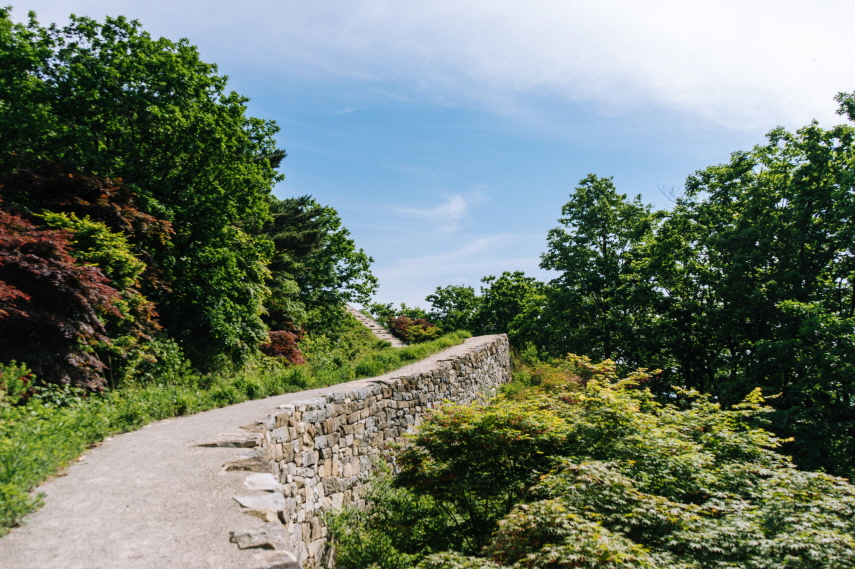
(16, 383)
(398, 528)
(580, 468)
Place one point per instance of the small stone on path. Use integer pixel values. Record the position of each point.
(270, 536)
(263, 481)
(273, 501)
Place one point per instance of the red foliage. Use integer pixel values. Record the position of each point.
(411, 330)
(283, 344)
(46, 186)
(9, 296)
(50, 306)
(33, 188)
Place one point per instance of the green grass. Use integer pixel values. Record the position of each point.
(40, 438)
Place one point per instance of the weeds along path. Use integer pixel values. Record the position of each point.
(152, 499)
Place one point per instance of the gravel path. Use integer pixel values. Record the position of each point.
(151, 499)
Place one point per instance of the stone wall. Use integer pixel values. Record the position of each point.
(321, 450)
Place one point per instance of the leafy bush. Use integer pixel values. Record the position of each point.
(399, 521)
(16, 383)
(592, 471)
(283, 344)
(53, 309)
(412, 331)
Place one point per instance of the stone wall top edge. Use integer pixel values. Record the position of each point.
(476, 345)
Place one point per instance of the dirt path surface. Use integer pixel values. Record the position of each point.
(152, 499)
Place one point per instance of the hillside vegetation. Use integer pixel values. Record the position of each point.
(747, 282)
(575, 467)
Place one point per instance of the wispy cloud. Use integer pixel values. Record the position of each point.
(411, 279)
(449, 215)
(740, 62)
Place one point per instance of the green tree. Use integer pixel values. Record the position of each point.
(503, 299)
(335, 273)
(771, 271)
(107, 98)
(597, 303)
(454, 307)
(297, 232)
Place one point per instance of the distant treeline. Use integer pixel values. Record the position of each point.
(137, 224)
(748, 281)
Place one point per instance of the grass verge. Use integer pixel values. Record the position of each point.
(40, 438)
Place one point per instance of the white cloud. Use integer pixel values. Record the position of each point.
(447, 216)
(411, 279)
(743, 63)
(448, 261)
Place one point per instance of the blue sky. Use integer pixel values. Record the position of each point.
(449, 133)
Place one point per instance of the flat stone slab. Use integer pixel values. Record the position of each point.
(276, 560)
(254, 464)
(269, 536)
(272, 501)
(235, 441)
(264, 482)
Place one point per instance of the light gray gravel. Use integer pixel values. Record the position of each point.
(151, 499)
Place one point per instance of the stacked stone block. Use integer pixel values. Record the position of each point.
(322, 450)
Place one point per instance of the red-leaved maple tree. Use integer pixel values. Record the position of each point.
(50, 307)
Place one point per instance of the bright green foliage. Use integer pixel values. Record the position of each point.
(548, 534)
(607, 477)
(418, 333)
(15, 382)
(335, 274)
(94, 244)
(129, 332)
(481, 460)
(454, 307)
(594, 305)
(108, 99)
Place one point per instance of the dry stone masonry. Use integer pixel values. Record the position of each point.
(318, 454)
